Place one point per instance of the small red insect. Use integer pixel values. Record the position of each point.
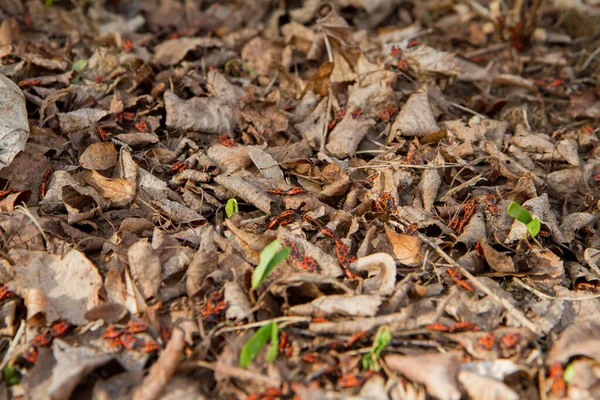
(165, 333)
(311, 220)
(396, 52)
(412, 228)
(125, 117)
(115, 345)
(128, 46)
(226, 141)
(495, 210)
(113, 331)
(486, 342)
(462, 326)
(356, 113)
(129, 341)
(27, 20)
(287, 192)
(586, 286)
(509, 340)
(437, 326)
(149, 346)
(587, 129)
(406, 160)
(327, 232)
(597, 178)
(5, 293)
(403, 65)
(136, 327)
(306, 262)
(491, 200)
(43, 339)
(555, 370)
(370, 181)
(31, 355)
(413, 43)
(28, 83)
(293, 248)
(479, 249)
(342, 252)
(351, 380)
(142, 125)
(454, 223)
(8, 60)
(466, 285)
(269, 394)
(559, 387)
(59, 328)
(179, 167)
(103, 134)
(313, 358)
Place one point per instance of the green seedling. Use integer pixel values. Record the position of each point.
(270, 257)
(79, 65)
(231, 207)
(370, 361)
(11, 375)
(522, 215)
(569, 373)
(255, 344)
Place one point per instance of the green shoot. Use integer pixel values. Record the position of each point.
(522, 215)
(255, 344)
(11, 375)
(382, 338)
(231, 207)
(270, 257)
(79, 65)
(569, 373)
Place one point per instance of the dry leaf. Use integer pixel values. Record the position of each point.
(407, 248)
(415, 118)
(200, 114)
(14, 129)
(100, 156)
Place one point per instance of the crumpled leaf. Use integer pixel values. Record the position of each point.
(438, 372)
(99, 156)
(73, 364)
(364, 305)
(172, 51)
(200, 114)
(407, 248)
(347, 134)
(381, 269)
(144, 265)
(415, 118)
(14, 128)
(70, 281)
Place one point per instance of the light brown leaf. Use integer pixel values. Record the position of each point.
(100, 156)
(407, 248)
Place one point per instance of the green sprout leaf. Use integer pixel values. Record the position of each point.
(522, 215)
(519, 213)
(533, 227)
(48, 3)
(11, 375)
(79, 65)
(231, 207)
(382, 339)
(270, 257)
(255, 344)
(569, 373)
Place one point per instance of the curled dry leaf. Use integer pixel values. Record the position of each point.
(483, 388)
(438, 372)
(381, 269)
(203, 263)
(171, 52)
(101, 156)
(430, 183)
(200, 114)
(37, 304)
(580, 339)
(73, 364)
(362, 305)
(238, 304)
(144, 266)
(347, 134)
(416, 117)
(407, 248)
(497, 261)
(14, 128)
(70, 282)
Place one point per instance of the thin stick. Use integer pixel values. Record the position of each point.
(545, 296)
(517, 314)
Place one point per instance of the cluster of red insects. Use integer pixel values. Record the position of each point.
(508, 341)
(123, 337)
(178, 167)
(214, 307)
(44, 339)
(342, 250)
(459, 279)
(468, 210)
(559, 387)
(226, 141)
(396, 52)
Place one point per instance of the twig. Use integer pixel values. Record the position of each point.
(13, 345)
(290, 320)
(546, 296)
(589, 59)
(517, 314)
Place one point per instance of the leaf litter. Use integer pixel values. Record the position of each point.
(299, 200)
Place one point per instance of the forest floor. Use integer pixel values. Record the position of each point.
(299, 200)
